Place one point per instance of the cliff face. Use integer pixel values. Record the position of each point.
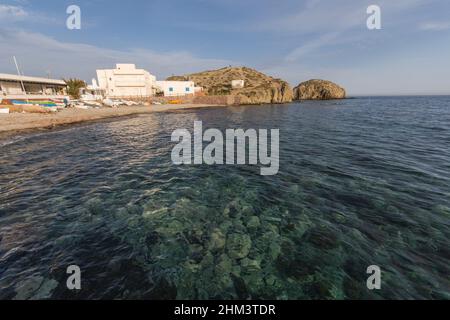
(318, 90)
(258, 89)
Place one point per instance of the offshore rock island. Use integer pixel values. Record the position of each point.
(318, 90)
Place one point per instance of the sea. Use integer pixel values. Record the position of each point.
(363, 184)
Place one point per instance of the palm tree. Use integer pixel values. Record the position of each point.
(74, 86)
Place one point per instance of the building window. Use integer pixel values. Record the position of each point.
(170, 89)
(188, 89)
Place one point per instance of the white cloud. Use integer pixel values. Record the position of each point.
(21, 15)
(333, 24)
(12, 13)
(326, 16)
(312, 45)
(39, 54)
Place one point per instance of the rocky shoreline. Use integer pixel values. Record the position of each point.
(258, 88)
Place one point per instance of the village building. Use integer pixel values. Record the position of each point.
(176, 88)
(15, 87)
(92, 92)
(237, 84)
(125, 81)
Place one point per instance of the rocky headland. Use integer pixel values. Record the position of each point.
(257, 87)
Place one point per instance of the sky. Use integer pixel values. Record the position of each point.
(295, 40)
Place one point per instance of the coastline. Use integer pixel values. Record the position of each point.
(16, 123)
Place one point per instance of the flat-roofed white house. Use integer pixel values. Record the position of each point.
(177, 88)
(92, 92)
(24, 87)
(237, 84)
(125, 81)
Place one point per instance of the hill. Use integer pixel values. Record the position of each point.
(258, 88)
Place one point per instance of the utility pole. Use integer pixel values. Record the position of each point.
(21, 80)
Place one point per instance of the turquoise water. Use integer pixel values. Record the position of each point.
(362, 182)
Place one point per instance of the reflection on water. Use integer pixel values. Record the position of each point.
(362, 182)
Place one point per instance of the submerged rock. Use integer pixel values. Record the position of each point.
(217, 240)
(238, 245)
(35, 288)
(46, 289)
(274, 250)
(250, 266)
(155, 213)
(270, 280)
(173, 228)
(26, 289)
(224, 265)
(269, 227)
(192, 267)
(318, 90)
(254, 222)
(225, 226)
(236, 270)
(224, 283)
(208, 261)
(233, 210)
(238, 226)
(195, 235)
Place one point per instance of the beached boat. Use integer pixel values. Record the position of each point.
(37, 102)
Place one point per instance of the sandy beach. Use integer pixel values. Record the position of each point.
(13, 123)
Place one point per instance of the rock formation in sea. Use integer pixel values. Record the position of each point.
(257, 88)
(318, 90)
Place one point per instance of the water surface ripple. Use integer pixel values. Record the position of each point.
(362, 182)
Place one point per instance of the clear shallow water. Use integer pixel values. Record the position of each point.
(362, 182)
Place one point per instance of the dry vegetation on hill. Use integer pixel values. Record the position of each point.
(259, 88)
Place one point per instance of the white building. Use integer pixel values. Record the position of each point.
(22, 87)
(237, 84)
(92, 92)
(177, 88)
(126, 82)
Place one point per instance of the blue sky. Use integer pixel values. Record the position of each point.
(293, 40)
